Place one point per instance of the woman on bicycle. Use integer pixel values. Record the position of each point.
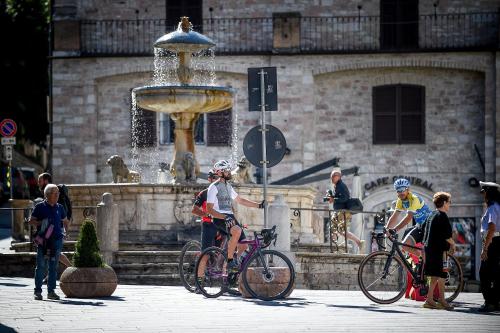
(437, 240)
(489, 273)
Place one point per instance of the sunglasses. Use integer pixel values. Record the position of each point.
(401, 190)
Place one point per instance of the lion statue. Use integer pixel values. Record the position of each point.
(242, 174)
(121, 174)
(184, 169)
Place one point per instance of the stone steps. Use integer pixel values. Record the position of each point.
(145, 257)
(321, 248)
(157, 279)
(148, 267)
(169, 268)
(70, 246)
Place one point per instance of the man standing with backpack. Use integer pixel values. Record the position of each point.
(43, 180)
(49, 218)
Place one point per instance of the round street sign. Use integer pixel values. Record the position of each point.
(275, 146)
(8, 128)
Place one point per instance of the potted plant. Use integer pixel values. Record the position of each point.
(90, 276)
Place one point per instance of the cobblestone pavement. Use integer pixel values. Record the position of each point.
(135, 308)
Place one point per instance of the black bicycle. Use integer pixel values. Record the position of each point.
(187, 262)
(382, 275)
(188, 257)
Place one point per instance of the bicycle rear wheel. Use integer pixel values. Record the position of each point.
(454, 281)
(187, 262)
(382, 278)
(268, 275)
(214, 282)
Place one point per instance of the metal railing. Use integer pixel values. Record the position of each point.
(338, 224)
(23, 232)
(336, 34)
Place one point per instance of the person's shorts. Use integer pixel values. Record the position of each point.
(434, 263)
(208, 234)
(221, 224)
(417, 233)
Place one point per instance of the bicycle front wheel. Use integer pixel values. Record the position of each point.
(268, 275)
(213, 283)
(187, 262)
(454, 281)
(382, 277)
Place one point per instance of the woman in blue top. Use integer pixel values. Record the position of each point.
(489, 273)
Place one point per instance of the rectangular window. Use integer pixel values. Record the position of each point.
(219, 128)
(398, 24)
(144, 130)
(191, 8)
(167, 126)
(398, 114)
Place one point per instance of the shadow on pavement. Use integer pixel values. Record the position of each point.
(7, 284)
(368, 308)
(6, 329)
(474, 311)
(111, 298)
(289, 302)
(70, 302)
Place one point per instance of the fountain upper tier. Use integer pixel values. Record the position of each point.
(184, 99)
(184, 41)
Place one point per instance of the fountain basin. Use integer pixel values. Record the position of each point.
(184, 99)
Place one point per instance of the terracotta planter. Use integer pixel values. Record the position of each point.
(88, 282)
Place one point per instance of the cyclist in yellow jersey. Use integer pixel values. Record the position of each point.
(415, 208)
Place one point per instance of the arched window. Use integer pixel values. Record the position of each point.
(398, 114)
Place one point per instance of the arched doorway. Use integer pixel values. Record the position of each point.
(381, 200)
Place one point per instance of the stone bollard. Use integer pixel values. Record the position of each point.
(279, 215)
(18, 225)
(107, 227)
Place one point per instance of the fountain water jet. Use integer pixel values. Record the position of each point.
(184, 102)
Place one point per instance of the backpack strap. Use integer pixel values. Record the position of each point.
(427, 229)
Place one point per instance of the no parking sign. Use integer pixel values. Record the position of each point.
(8, 128)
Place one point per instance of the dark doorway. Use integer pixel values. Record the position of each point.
(190, 8)
(398, 24)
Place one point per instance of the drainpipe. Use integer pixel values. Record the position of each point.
(50, 73)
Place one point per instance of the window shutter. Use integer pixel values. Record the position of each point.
(144, 131)
(412, 114)
(219, 128)
(191, 8)
(384, 115)
(398, 114)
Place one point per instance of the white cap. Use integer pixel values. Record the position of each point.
(336, 170)
(489, 184)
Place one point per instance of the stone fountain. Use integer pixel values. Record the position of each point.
(184, 102)
(153, 215)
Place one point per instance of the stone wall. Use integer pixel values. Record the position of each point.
(324, 111)
(140, 9)
(327, 271)
(161, 214)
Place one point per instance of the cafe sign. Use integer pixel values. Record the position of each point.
(414, 181)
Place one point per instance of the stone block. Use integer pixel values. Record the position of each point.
(67, 35)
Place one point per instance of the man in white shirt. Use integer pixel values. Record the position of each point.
(219, 205)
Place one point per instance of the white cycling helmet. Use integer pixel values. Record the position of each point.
(401, 184)
(222, 165)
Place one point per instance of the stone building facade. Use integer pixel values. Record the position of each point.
(326, 91)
